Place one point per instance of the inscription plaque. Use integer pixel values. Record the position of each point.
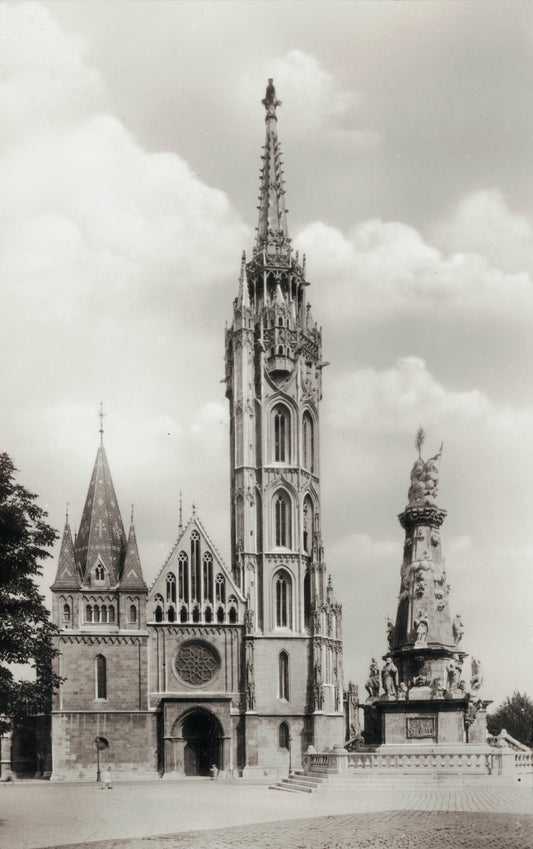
(421, 726)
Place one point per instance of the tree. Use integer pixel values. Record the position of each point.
(515, 715)
(26, 633)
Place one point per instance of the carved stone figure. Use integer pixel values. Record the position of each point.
(453, 672)
(389, 677)
(437, 689)
(421, 625)
(458, 629)
(317, 686)
(402, 692)
(270, 101)
(424, 476)
(390, 632)
(250, 683)
(472, 710)
(477, 675)
(372, 684)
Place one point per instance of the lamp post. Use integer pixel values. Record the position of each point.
(100, 743)
(290, 754)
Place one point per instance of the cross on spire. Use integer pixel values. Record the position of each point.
(101, 415)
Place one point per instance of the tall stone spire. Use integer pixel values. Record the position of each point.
(101, 535)
(272, 226)
(67, 575)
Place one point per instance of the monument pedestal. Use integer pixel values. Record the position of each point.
(426, 721)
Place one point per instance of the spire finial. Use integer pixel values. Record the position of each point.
(131, 519)
(66, 513)
(420, 439)
(194, 510)
(101, 415)
(180, 527)
(270, 101)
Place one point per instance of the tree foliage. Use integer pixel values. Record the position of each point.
(515, 715)
(26, 633)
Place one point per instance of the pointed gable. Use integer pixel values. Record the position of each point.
(132, 576)
(67, 575)
(101, 535)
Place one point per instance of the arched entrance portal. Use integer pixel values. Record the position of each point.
(202, 736)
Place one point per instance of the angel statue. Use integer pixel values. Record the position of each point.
(270, 101)
(424, 474)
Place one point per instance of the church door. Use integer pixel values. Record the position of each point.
(203, 738)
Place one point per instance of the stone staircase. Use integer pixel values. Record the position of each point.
(300, 782)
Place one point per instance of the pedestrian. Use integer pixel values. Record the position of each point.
(214, 771)
(106, 779)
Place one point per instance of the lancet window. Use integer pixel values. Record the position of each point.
(308, 440)
(101, 677)
(99, 572)
(66, 614)
(208, 577)
(283, 675)
(195, 566)
(283, 736)
(283, 599)
(220, 589)
(282, 520)
(281, 428)
(307, 525)
(171, 588)
(133, 614)
(89, 613)
(183, 577)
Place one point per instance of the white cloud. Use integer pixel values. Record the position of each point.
(386, 268)
(483, 224)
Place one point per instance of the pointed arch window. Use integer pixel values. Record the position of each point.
(183, 614)
(307, 599)
(284, 736)
(171, 588)
(104, 613)
(101, 677)
(99, 572)
(220, 589)
(171, 613)
(307, 523)
(220, 615)
(281, 421)
(283, 676)
(89, 613)
(133, 614)
(96, 613)
(111, 611)
(283, 599)
(282, 520)
(183, 577)
(66, 615)
(208, 577)
(158, 612)
(308, 440)
(195, 566)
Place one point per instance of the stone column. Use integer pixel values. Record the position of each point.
(225, 752)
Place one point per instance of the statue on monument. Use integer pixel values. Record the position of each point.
(477, 675)
(390, 632)
(389, 677)
(421, 625)
(372, 684)
(424, 475)
(458, 629)
(454, 668)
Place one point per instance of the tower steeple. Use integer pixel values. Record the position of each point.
(272, 226)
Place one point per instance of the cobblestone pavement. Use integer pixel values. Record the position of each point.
(237, 815)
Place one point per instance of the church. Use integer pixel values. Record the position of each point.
(233, 666)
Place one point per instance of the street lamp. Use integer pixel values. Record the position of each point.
(100, 743)
(290, 754)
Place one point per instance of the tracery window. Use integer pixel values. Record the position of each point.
(282, 520)
(171, 588)
(283, 676)
(281, 428)
(99, 572)
(208, 577)
(283, 736)
(283, 599)
(158, 608)
(183, 577)
(101, 677)
(220, 589)
(196, 663)
(195, 566)
(308, 439)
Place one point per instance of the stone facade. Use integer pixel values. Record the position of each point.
(236, 668)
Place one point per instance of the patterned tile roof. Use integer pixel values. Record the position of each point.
(101, 534)
(67, 575)
(132, 576)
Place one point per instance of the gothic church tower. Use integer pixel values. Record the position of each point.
(274, 367)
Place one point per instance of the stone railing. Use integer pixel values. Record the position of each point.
(503, 763)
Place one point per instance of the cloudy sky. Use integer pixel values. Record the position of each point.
(130, 143)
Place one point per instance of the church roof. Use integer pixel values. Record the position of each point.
(272, 226)
(132, 577)
(101, 534)
(67, 575)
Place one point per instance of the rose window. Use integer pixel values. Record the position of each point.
(196, 663)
